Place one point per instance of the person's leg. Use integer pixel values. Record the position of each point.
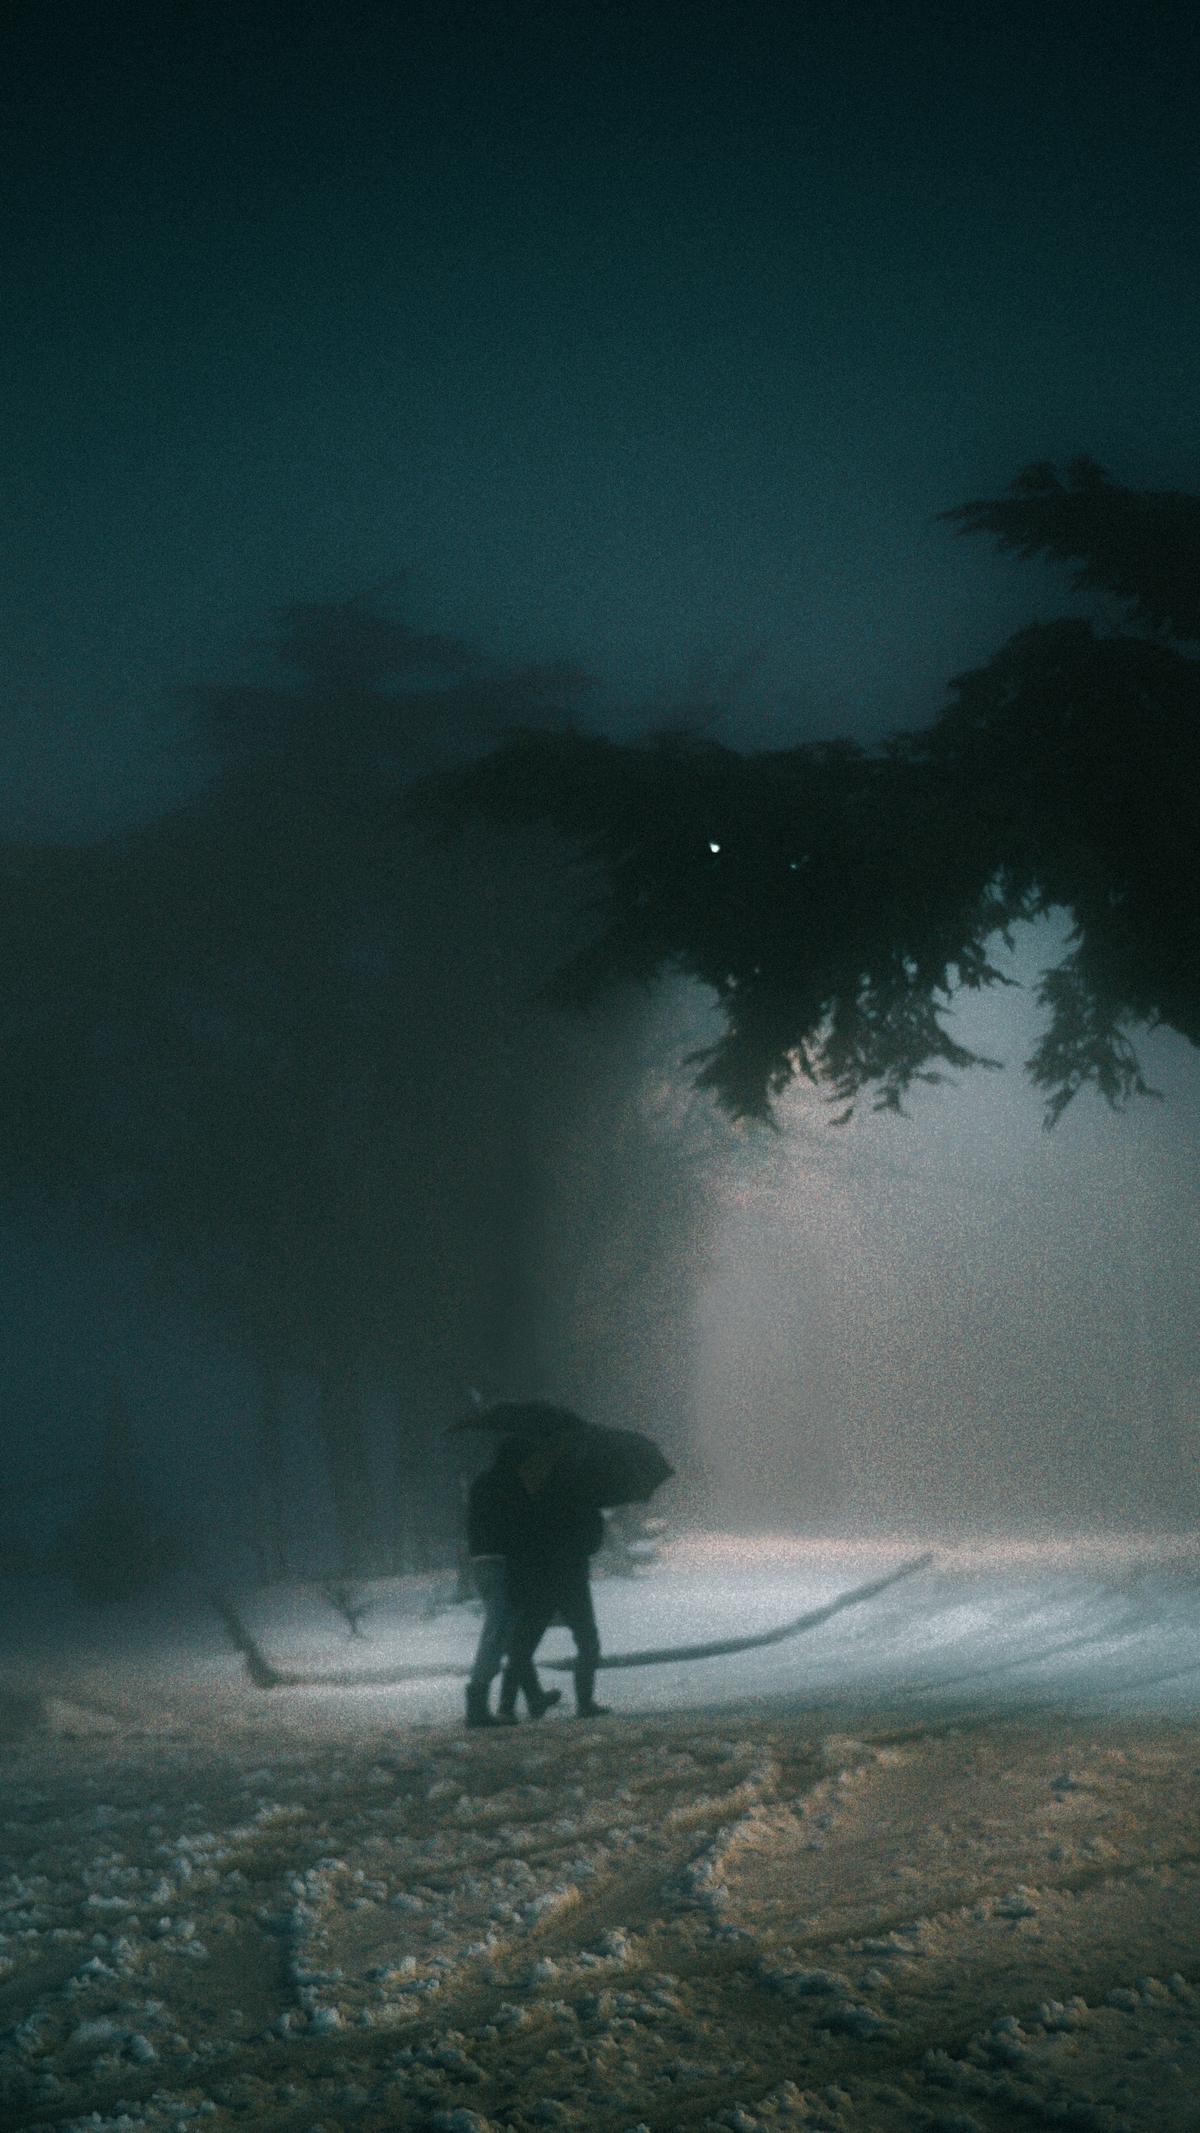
(493, 1639)
(580, 1617)
(532, 1613)
(491, 1585)
(540, 1700)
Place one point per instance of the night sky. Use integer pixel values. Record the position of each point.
(650, 337)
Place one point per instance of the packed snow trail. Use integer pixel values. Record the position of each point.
(266, 1675)
(702, 1921)
(934, 1866)
(727, 1647)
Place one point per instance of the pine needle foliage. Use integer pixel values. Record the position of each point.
(835, 899)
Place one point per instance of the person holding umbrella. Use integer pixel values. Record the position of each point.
(557, 1529)
(495, 1514)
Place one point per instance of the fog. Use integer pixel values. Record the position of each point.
(958, 1320)
(933, 1805)
(944, 1323)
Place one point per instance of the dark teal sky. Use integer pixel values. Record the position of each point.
(652, 337)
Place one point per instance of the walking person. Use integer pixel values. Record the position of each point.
(494, 1513)
(556, 1527)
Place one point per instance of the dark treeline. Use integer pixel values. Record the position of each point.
(293, 1044)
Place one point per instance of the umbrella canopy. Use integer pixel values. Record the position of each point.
(612, 1466)
(617, 1466)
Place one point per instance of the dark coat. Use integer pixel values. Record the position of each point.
(540, 1536)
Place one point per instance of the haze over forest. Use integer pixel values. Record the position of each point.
(627, 371)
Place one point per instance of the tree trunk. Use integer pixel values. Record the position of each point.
(411, 1452)
(269, 1540)
(343, 1434)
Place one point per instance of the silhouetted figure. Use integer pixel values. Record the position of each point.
(553, 1528)
(496, 1510)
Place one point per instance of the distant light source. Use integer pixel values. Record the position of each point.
(713, 847)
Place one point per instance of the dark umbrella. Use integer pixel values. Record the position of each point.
(617, 1466)
(613, 1466)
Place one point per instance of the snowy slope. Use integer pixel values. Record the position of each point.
(936, 1865)
(1085, 1624)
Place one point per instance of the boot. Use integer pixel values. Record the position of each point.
(544, 1701)
(477, 1705)
(585, 1703)
(506, 1714)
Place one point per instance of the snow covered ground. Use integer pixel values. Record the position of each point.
(933, 1865)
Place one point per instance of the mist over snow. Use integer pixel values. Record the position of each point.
(381, 381)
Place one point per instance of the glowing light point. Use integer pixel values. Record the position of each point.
(713, 847)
